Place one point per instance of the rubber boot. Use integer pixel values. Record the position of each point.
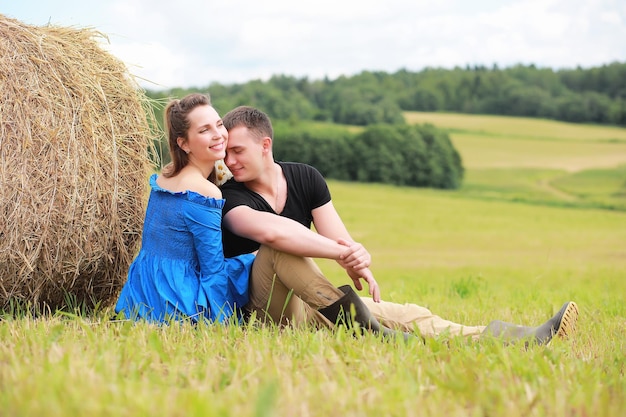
(561, 324)
(340, 312)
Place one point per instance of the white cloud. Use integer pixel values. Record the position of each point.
(194, 43)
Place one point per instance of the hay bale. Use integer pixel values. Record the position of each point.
(74, 159)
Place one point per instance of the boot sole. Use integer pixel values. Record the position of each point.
(569, 317)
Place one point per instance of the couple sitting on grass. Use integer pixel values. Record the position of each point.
(261, 266)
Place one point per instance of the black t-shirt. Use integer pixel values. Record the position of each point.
(306, 191)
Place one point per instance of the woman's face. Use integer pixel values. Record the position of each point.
(207, 136)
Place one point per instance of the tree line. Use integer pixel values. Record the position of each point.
(409, 155)
(386, 149)
(592, 95)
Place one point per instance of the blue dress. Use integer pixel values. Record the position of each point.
(180, 271)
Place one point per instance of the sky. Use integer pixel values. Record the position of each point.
(193, 43)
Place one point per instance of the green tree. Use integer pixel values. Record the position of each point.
(376, 155)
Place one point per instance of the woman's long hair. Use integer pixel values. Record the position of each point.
(176, 119)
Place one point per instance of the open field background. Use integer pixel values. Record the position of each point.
(536, 160)
(537, 222)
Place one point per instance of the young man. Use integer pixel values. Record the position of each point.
(273, 204)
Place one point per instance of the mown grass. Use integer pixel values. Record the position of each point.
(537, 161)
(480, 151)
(472, 255)
(511, 126)
(596, 183)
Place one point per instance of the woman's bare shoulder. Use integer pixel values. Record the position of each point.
(204, 187)
(195, 183)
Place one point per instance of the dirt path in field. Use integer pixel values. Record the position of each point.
(594, 162)
(546, 185)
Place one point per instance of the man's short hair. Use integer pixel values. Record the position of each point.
(254, 119)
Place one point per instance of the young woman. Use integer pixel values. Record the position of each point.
(180, 271)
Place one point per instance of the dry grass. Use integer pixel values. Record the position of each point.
(74, 143)
(501, 151)
(518, 126)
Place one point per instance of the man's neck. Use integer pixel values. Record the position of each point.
(270, 186)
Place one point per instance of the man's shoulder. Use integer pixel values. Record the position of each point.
(294, 165)
(298, 167)
(233, 186)
(236, 194)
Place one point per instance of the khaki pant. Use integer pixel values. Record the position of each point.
(417, 319)
(288, 290)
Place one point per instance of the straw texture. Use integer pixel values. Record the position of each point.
(75, 140)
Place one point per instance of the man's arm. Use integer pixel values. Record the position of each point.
(289, 236)
(328, 223)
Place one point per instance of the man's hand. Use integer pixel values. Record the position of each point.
(367, 275)
(355, 256)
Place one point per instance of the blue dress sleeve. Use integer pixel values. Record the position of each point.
(204, 223)
(223, 282)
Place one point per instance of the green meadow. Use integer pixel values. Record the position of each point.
(536, 160)
(540, 220)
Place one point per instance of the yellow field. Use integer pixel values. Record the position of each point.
(500, 151)
(518, 126)
(501, 141)
(537, 160)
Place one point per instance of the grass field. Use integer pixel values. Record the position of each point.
(513, 244)
(537, 161)
(510, 126)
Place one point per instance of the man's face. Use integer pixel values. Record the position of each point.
(244, 154)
